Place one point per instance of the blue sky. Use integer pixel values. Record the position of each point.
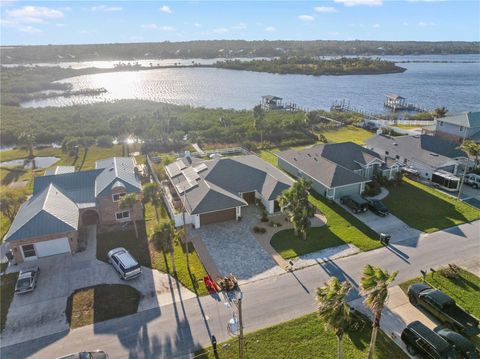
(77, 22)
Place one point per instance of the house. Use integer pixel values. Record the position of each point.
(457, 128)
(336, 169)
(64, 201)
(425, 154)
(216, 190)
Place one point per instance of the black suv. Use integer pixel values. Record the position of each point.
(356, 203)
(426, 343)
(377, 207)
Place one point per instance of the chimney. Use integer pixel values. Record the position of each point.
(188, 155)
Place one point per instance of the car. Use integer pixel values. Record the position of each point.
(97, 354)
(355, 203)
(464, 348)
(27, 280)
(377, 207)
(472, 179)
(425, 343)
(124, 263)
(444, 308)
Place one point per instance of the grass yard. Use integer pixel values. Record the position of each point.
(426, 208)
(7, 291)
(290, 246)
(347, 133)
(101, 302)
(305, 337)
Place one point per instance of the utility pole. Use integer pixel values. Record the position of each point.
(241, 339)
(462, 180)
(185, 238)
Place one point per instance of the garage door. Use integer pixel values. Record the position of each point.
(52, 247)
(218, 216)
(347, 190)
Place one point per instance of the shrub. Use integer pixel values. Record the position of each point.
(105, 141)
(260, 230)
(249, 145)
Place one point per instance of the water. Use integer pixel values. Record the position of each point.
(40, 162)
(455, 85)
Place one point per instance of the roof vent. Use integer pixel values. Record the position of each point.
(315, 159)
(309, 155)
(434, 154)
(395, 144)
(110, 169)
(294, 158)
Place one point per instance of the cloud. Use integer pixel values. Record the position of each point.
(359, 2)
(29, 29)
(306, 18)
(167, 28)
(34, 12)
(220, 30)
(426, 23)
(426, 0)
(197, 25)
(86, 32)
(165, 9)
(149, 26)
(106, 8)
(405, 23)
(270, 29)
(376, 26)
(60, 25)
(240, 26)
(325, 9)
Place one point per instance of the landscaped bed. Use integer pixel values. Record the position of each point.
(7, 291)
(101, 302)
(426, 208)
(305, 337)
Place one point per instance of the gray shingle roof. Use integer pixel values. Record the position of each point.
(116, 169)
(430, 150)
(346, 154)
(220, 184)
(59, 170)
(323, 170)
(47, 213)
(465, 119)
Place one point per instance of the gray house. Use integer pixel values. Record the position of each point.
(424, 153)
(337, 169)
(216, 190)
(457, 128)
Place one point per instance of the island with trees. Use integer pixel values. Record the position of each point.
(316, 67)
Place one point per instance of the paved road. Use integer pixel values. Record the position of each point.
(173, 331)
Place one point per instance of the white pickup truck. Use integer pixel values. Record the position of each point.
(473, 180)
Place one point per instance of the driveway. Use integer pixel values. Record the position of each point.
(42, 312)
(234, 249)
(399, 230)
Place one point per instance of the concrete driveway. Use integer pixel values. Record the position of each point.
(42, 312)
(399, 230)
(234, 249)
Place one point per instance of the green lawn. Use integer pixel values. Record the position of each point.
(288, 245)
(305, 337)
(427, 209)
(101, 302)
(7, 290)
(347, 133)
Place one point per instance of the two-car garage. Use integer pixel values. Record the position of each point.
(217, 216)
(45, 248)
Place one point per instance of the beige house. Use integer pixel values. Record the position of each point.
(64, 201)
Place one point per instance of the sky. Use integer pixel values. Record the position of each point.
(79, 22)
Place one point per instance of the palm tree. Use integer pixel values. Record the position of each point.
(258, 116)
(128, 202)
(472, 148)
(440, 112)
(151, 194)
(333, 308)
(374, 284)
(294, 203)
(164, 237)
(28, 140)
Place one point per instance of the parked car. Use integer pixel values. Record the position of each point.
(444, 308)
(124, 263)
(356, 203)
(464, 348)
(27, 280)
(425, 343)
(472, 179)
(377, 207)
(97, 354)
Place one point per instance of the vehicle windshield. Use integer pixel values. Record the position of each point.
(23, 283)
(85, 355)
(132, 269)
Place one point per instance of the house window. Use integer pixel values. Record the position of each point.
(117, 196)
(28, 251)
(441, 123)
(122, 215)
(461, 128)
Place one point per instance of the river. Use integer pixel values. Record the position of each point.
(454, 84)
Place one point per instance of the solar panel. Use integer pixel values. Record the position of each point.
(190, 174)
(180, 164)
(172, 170)
(201, 167)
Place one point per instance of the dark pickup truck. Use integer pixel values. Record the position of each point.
(444, 308)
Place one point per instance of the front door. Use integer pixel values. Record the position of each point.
(29, 252)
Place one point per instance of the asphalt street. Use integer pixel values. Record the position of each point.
(176, 330)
